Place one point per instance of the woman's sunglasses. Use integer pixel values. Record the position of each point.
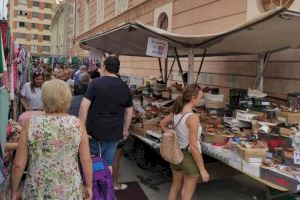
(37, 73)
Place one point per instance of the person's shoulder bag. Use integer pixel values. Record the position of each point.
(169, 147)
(103, 187)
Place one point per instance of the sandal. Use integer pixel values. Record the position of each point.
(121, 187)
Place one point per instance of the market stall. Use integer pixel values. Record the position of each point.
(261, 139)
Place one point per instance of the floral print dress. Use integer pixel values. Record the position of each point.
(53, 171)
(13, 132)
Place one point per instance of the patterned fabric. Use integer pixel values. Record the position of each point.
(53, 171)
(13, 132)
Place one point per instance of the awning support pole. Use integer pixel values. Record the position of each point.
(262, 65)
(201, 64)
(171, 69)
(178, 63)
(166, 71)
(191, 66)
(160, 68)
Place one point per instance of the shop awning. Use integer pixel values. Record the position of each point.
(273, 31)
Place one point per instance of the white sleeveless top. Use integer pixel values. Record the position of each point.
(183, 131)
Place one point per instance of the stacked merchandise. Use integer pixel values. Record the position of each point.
(262, 140)
(215, 102)
(150, 107)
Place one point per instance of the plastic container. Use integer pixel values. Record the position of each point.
(251, 154)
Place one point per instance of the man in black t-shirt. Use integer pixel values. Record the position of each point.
(107, 110)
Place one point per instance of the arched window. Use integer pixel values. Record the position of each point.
(272, 4)
(163, 21)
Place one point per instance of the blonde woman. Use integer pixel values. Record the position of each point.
(186, 174)
(51, 143)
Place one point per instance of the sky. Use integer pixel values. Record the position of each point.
(3, 4)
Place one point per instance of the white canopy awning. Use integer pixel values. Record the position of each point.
(273, 31)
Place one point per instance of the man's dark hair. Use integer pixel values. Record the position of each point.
(94, 74)
(112, 64)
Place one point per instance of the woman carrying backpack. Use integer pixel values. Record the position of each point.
(188, 130)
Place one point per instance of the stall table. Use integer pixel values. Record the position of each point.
(270, 177)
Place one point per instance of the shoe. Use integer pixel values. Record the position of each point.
(121, 187)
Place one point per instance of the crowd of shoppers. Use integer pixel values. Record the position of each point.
(76, 120)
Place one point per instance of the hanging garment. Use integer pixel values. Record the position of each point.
(3, 67)
(4, 109)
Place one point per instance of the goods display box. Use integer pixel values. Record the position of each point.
(252, 155)
(288, 117)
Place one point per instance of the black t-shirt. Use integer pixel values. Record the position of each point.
(109, 97)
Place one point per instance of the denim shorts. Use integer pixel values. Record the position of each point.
(108, 149)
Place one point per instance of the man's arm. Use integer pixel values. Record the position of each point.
(83, 111)
(127, 121)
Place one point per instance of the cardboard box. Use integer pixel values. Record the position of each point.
(252, 155)
(166, 95)
(150, 125)
(288, 117)
(175, 95)
(215, 104)
(136, 129)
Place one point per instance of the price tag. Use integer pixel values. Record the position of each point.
(297, 157)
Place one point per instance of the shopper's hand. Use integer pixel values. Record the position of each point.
(88, 193)
(204, 175)
(125, 135)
